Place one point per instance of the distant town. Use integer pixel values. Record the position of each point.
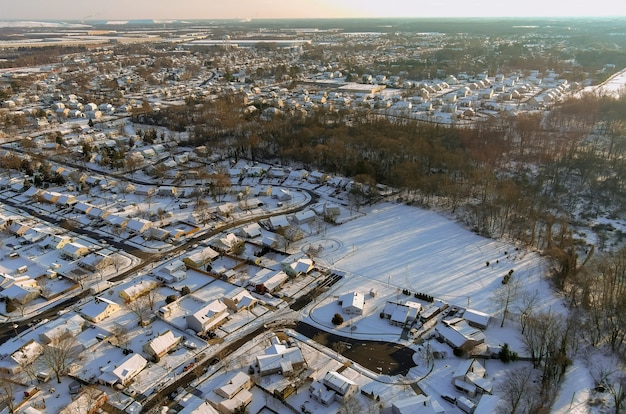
(309, 216)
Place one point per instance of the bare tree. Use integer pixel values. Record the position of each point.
(140, 307)
(519, 391)
(60, 353)
(353, 406)
(120, 333)
(506, 296)
(8, 391)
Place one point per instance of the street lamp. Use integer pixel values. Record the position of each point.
(15, 326)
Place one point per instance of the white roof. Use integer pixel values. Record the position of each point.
(163, 342)
(131, 366)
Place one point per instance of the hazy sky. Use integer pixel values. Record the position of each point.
(218, 9)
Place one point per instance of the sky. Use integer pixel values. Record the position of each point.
(262, 9)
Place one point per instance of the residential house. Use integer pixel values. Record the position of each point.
(418, 404)
(99, 309)
(458, 333)
(469, 376)
(279, 358)
(300, 266)
(233, 396)
(239, 299)
(123, 372)
(352, 303)
(137, 289)
(138, 225)
(401, 314)
(24, 356)
(333, 386)
(162, 344)
(74, 250)
(88, 402)
(59, 328)
(208, 317)
(201, 258)
(476, 318)
(267, 280)
(173, 272)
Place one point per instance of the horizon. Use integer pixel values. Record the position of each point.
(74, 10)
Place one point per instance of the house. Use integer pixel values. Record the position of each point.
(418, 404)
(88, 402)
(82, 207)
(401, 314)
(239, 299)
(283, 195)
(99, 309)
(96, 261)
(233, 396)
(277, 222)
(226, 243)
(61, 327)
(302, 265)
(352, 303)
(469, 376)
(127, 369)
(201, 258)
(267, 280)
(333, 386)
(208, 317)
(162, 344)
(476, 318)
(18, 228)
(74, 250)
(279, 358)
(458, 333)
(19, 294)
(138, 225)
(305, 216)
(24, 356)
(173, 272)
(317, 177)
(132, 292)
(251, 231)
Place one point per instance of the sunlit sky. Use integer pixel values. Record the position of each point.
(261, 9)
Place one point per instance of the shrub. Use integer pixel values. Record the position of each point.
(506, 355)
(170, 298)
(337, 319)
(185, 290)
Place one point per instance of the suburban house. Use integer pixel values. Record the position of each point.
(401, 314)
(477, 319)
(333, 386)
(201, 258)
(125, 371)
(162, 344)
(96, 261)
(87, 402)
(99, 309)
(208, 317)
(22, 357)
(239, 299)
(61, 327)
(234, 395)
(279, 358)
(138, 225)
(267, 280)
(173, 272)
(458, 333)
(419, 404)
(352, 303)
(295, 267)
(469, 376)
(74, 250)
(132, 292)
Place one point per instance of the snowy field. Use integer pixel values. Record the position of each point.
(400, 247)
